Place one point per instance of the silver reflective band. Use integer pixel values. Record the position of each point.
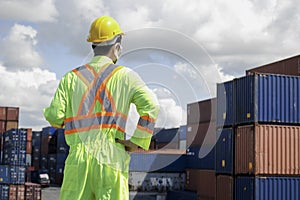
(146, 124)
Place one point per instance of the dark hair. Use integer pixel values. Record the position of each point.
(103, 50)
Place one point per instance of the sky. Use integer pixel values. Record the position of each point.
(181, 49)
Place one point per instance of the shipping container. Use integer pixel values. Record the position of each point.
(225, 104)
(17, 175)
(201, 160)
(11, 125)
(181, 195)
(224, 151)
(288, 66)
(3, 113)
(267, 188)
(28, 147)
(45, 144)
(13, 189)
(267, 149)
(156, 182)
(12, 114)
(166, 135)
(49, 131)
(225, 187)
(268, 99)
(202, 111)
(198, 133)
(61, 157)
(201, 181)
(4, 174)
(32, 191)
(4, 192)
(161, 161)
(2, 126)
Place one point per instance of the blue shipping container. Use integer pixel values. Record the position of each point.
(195, 162)
(166, 135)
(182, 195)
(4, 174)
(14, 156)
(267, 188)
(268, 98)
(60, 168)
(224, 151)
(36, 138)
(225, 104)
(4, 192)
(159, 162)
(61, 146)
(48, 131)
(61, 157)
(17, 175)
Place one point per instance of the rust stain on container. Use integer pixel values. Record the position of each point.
(201, 181)
(225, 188)
(289, 66)
(267, 149)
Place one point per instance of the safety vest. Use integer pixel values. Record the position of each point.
(108, 117)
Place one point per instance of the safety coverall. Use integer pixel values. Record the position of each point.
(92, 103)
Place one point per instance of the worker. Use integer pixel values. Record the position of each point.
(92, 104)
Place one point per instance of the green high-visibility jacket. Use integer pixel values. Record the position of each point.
(92, 103)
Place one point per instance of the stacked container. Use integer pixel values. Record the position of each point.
(200, 140)
(9, 118)
(267, 136)
(36, 149)
(225, 140)
(167, 138)
(153, 174)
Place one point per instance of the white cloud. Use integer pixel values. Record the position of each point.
(19, 48)
(31, 91)
(29, 10)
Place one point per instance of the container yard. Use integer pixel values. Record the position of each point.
(243, 144)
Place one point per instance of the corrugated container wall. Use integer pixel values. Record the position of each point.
(202, 181)
(224, 151)
(268, 98)
(267, 149)
(225, 104)
(225, 188)
(289, 66)
(267, 188)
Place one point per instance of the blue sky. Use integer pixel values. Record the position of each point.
(181, 49)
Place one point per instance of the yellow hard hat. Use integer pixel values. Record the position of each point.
(103, 29)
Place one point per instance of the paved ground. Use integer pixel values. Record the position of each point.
(50, 193)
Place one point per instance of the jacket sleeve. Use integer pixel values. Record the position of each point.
(147, 106)
(55, 114)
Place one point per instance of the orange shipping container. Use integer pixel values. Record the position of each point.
(11, 125)
(225, 187)
(2, 126)
(267, 149)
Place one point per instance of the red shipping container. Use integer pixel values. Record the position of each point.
(12, 114)
(289, 66)
(2, 126)
(13, 189)
(196, 134)
(29, 147)
(225, 187)
(201, 181)
(201, 111)
(267, 150)
(3, 113)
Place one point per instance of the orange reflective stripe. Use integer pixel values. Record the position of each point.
(148, 118)
(92, 70)
(72, 131)
(80, 76)
(145, 129)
